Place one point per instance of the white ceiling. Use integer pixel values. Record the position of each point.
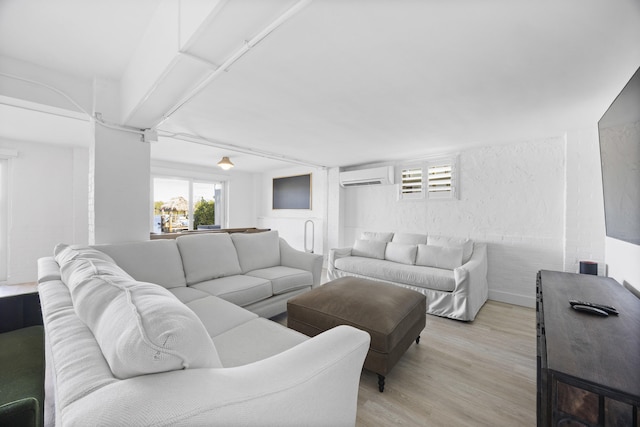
(347, 82)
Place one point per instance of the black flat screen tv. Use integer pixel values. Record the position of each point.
(292, 192)
(619, 132)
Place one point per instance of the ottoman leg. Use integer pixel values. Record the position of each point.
(418, 340)
(381, 383)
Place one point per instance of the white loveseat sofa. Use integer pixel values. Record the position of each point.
(136, 341)
(450, 271)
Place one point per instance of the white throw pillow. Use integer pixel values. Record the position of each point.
(439, 256)
(401, 252)
(257, 250)
(369, 248)
(382, 236)
(142, 328)
(466, 244)
(410, 238)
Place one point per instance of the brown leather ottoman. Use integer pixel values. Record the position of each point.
(393, 316)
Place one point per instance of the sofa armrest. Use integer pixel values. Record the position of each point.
(48, 269)
(290, 257)
(313, 383)
(338, 253)
(474, 272)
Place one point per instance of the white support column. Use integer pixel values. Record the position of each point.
(119, 187)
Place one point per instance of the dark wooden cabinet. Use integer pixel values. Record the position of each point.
(588, 366)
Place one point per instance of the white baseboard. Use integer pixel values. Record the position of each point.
(509, 298)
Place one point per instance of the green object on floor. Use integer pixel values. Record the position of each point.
(22, 377)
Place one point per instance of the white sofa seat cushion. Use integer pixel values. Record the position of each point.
(188, 294)
(369, 248)
(439, 256)
(425, 277)
(219, 316)
(208, 256)
(241, 290)
(255, 340)
(466, 244)
(403, 253)
(284, 279)
(257, 250)
(155, 261)
(142, 328)
(410, 238)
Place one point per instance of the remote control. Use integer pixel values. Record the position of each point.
(606, 308)
(589, 309)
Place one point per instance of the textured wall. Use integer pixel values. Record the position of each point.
(511, 196)
(584, 219)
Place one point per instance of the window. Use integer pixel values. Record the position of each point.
(436, 178)
(442, 178)
(411, 182)
(182, 204)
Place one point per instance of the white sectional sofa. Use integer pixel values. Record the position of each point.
(450, 271)
(152, 333)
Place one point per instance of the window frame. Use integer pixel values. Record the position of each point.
(451, 160)
(220, 209)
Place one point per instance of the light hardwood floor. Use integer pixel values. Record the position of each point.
(481, 373)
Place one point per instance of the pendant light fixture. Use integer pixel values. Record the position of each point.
(225, 163)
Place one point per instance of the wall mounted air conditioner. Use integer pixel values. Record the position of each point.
(374, 176)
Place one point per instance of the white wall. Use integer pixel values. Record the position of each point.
(623, 261)
(511, 197)
(584, 213)
(45, 204)
(290, 223)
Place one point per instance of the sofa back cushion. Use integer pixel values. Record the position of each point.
(401, 252)
(383, 236)
(142, 328)
(443, 257)
(257, 250)
(463, 242)
(410, 238)
(155, 261)
(369, 248)
(208, 256)
(79, 264)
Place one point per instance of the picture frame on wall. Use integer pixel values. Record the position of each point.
(292, 192)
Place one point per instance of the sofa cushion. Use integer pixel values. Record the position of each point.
(466, 244)
(241, 290)
(255, 340)
(218, 315)
(208, 256)
(410, 238)
(284, 279)
(382, 236)
(187, 294)
(401, 252)
(425, 277)
(64, 253)
(142, 328)
(155, 261)
(79, 270)
(257, 250)
(369, 248)
(439, 256)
